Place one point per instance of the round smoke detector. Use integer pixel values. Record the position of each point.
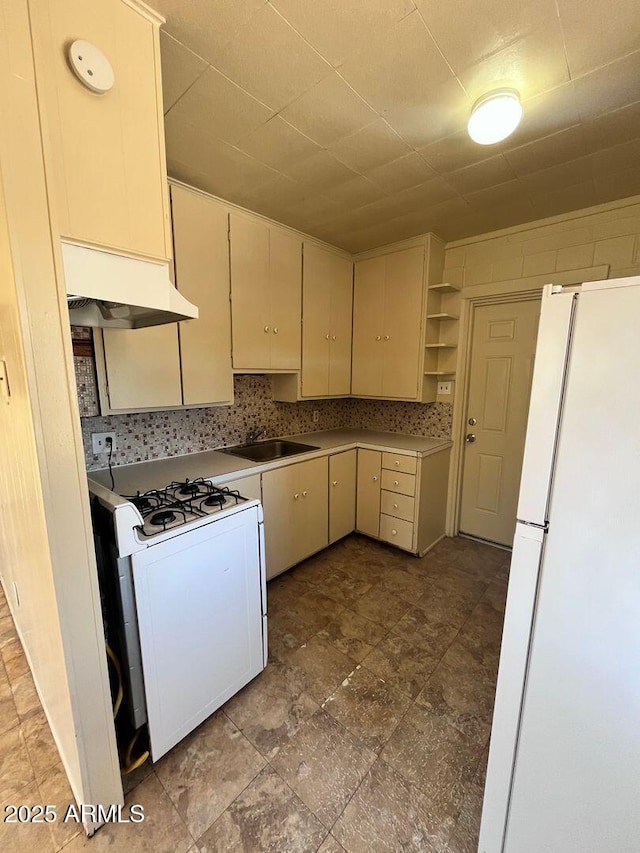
(91, 66)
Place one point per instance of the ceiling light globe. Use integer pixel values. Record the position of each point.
(495, 116)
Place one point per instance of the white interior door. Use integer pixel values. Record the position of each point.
(577, 774)
(502, 354)
(199, 604)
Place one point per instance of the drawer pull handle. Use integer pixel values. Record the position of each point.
(395, 532)
(387, 337)
(397, 463)
(275, 331)
(395, 506)
(378, 338)
(327, 337)
(396, 483)
(374, 479)
(295, 497)
(267, 328)
(304, 494)
(335, 483)
(333, 338)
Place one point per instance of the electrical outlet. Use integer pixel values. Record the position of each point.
(99, 442)
(316, 416)
(444, 388)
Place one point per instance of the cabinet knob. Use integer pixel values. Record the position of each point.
(295, 497)
(333, 338)
(395, 506)
(335, 483)
(304, 494)
(275, 330)
(327, 337)
(396, 483)
(387, 337)
(266, 328)
(397, 463)
(374, 479)
(378, 338)
(395, 532)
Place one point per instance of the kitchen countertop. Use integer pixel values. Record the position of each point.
(221, 467)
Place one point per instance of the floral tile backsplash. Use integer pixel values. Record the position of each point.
(153, 435)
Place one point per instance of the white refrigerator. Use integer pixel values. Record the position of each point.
(564, 760)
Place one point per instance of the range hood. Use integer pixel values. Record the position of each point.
(106, 289)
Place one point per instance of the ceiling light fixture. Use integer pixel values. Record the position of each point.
(495, 116)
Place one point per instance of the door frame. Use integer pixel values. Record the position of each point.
(468, 305)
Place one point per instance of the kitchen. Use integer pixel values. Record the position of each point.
(360, 279)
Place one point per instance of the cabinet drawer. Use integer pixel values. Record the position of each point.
(399, 506)
(396, 462)
(396, 532)
(393, 481)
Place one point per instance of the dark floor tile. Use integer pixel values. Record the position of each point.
(267, 816)
(342, 587)
(401, 664)
(272, 707)
(25, 696)
(387, 814)
(435, 756)
(8, 714)
(330, 845)
(304, 616)
(381, 606)
(442, 605)
(368, 707)
(161, 831)
(352, 634)
(16, 771)
(25, 837)
(459, 582)
(324, 764)
(424, 632)
(7, 630)
(323, 665)
(54, 790)
(206, 771)
(41, 747)
(14, 659)
(404, 584)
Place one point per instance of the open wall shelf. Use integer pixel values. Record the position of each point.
(445, 287)
(441, 340)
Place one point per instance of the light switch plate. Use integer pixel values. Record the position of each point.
(99, 442)
(444, 388)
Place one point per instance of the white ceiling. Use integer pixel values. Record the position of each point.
(347, 118)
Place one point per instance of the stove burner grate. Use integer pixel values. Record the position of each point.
(189, 489)
(165, 516)
(215, 500)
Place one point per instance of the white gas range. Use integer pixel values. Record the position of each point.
(182, 574)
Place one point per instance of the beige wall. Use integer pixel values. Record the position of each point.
(595, 243)
(47, 561)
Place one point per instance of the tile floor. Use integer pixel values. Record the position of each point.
(366, 733)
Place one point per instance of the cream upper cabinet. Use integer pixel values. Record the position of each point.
(140, 368)
(342, 494)
(327, 301)
(107, 149)
(266, 296)
(201, 246)
(388, 325)
(296, 509)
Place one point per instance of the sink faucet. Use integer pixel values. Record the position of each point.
(254, 435)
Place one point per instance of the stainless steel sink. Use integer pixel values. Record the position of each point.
(266, 451)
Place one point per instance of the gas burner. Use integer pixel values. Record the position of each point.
(189, 489)
(165, 516)
(142, 503)
(215, 500)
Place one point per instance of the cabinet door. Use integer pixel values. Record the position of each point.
(311, 530)
(143, 367)
(368, 308)
(285, 286)
(341, 326)
(250, 303)
(403, 323)
(316, 321)
(342, 494)
(368, 508)
(280, 518)
(201, 245)
(107, 150)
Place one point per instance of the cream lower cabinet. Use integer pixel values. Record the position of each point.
(342, 494)
(266, 296)
(402, 499)
(368, 500)
(296, 513)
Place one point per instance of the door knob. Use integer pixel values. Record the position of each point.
(472, 421)
(470, 438)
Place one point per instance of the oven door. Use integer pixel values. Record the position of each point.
(199, 602)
